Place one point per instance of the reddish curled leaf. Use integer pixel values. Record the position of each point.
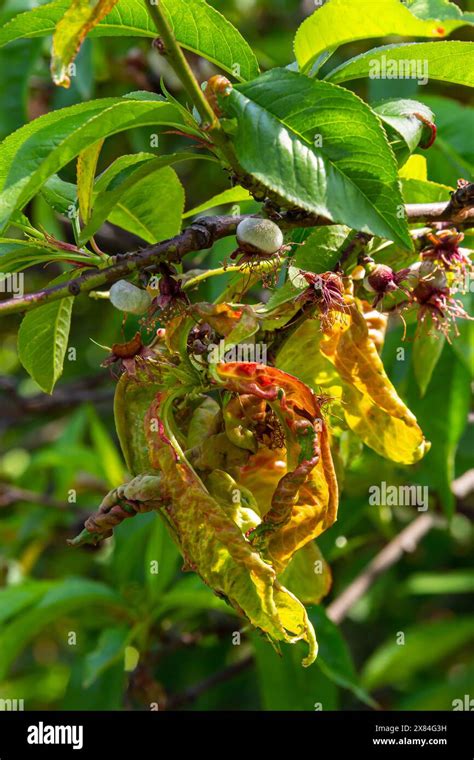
(304, 500)
(71, 32)
(212, 542)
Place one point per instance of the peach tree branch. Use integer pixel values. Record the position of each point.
(200, 236)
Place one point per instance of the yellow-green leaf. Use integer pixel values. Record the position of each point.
(70, 33)
(86, 167)
(308, 574)
(344, 362)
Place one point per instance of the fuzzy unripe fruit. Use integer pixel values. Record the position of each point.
(261, 235)
(127, 297)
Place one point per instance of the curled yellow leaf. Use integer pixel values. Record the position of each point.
(209, 531)
(344, 362)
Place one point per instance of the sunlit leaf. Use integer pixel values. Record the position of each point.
(450, 61)
(319, 148)
(341, 21)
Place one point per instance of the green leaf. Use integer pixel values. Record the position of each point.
(334, 657)
(60, 195)
(415, 168)
(447, 693)
(427, 348)
(14, 599)
(404, 129)
(235, 194)
(16, 64)
(160, 549)
(110, 459)
(143, 197)
(451, 582)
(419, 191)
(342, 21)
(197, 26)
(442, 415)
(43, 338)
(86, 167)
(110, 649)
(322, 249)
(350, 177)
(425, 644)
(192, 595)
(285, 685)
(39, 149)
(64, 598)
(450, 61)
(463, 344)
(152, 208)
(438, 9)
(287, 292)
(70, 32)
(16, 255)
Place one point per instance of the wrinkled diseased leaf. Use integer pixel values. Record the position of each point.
(304, 501)
(213, 545)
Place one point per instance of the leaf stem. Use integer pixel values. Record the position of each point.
(199, 236)
(183, 70)
(176, 58)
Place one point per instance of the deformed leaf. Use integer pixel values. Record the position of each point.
(212, 543)
(304, 501)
